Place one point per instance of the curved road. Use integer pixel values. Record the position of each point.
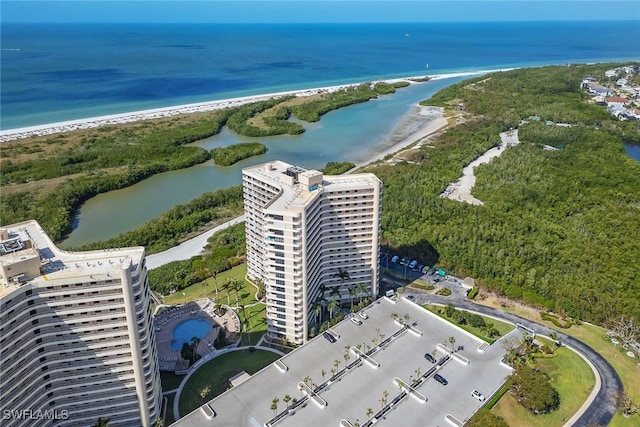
(602, 408)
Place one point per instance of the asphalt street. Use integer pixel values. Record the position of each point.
(602, 408)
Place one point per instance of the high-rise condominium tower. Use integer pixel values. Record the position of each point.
(310, 239)
(76, 336)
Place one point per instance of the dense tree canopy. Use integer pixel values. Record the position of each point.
(231, 154)
(533, 390)
(558, 228)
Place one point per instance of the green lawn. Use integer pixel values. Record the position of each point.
(216, 373)
(255, 311)
(573, 379)
(625, 366)
(207, 289)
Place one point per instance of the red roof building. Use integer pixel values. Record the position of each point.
(617, 99)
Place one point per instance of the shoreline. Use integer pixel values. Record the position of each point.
(134, 116)
(196, 245)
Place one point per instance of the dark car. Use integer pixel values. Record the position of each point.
(430, 358)
(442, 380)
(329, 337)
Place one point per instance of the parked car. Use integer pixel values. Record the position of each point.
(413, 264)
(419, 268)
(477, 395)
(430, 357)
(364, 315)
(442, 380)
(329, 337)
(395, 259)
(425, 269)
(356, 321)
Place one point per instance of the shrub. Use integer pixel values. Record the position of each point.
(444, 292)
(472, 292)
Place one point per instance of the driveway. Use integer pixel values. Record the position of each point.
(602, 408)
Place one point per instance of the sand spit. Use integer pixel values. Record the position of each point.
(114, 119)
(461, 190)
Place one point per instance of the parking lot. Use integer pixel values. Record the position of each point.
(400, 273)
(390, 352)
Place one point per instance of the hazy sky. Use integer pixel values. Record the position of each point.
(314, 11)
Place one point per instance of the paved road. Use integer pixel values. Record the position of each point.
(186, 250)
(602, 408)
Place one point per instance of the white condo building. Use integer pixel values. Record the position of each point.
(303, 229)
(76, 336)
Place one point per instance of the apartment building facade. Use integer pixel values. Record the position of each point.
(76, 335)
(311, 238)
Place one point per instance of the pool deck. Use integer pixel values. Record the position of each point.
(166, 321)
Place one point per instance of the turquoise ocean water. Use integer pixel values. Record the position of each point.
(53, 73)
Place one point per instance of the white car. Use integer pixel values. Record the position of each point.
(477, 395)
(356, 321)
(364, 315)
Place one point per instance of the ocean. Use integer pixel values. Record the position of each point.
(52, 73)
(58, 72)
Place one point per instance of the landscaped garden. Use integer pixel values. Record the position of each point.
(212, 377)
(483, 327)
(570, 376)
(227, 293)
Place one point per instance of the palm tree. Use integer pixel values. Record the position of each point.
(227, 287)
(343, 275)
(332, 305)
(316, 308)
(287, 399)
(236, 286)
(102, 422)
(274, 405)
(352, 295)
(336, 363)
(362, 288)
(335, 292)
(452, 341)
(369, 412)
(195, 341)
(159, 422)
(323, 373)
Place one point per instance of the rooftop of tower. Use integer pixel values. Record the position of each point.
(28, 256)
(299, 186)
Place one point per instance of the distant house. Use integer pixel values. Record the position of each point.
(616, 100)
(621, 82)
(586, 81)
(628, 70)
(611, 73)
(601, 91)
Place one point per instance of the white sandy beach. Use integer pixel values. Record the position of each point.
(59, 127)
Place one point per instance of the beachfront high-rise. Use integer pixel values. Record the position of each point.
(76, 336)
(310, 238)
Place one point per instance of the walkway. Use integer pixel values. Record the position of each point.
(188, 249)
(601, 407)
(461, 190)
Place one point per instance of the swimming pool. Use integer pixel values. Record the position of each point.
(185, 331)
